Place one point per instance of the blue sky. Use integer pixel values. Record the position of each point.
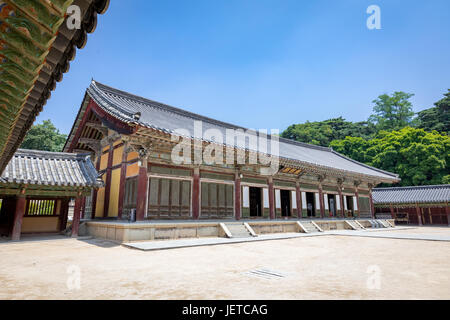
(263, 64)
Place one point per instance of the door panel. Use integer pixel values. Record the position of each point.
(169, 198)
(217, 200)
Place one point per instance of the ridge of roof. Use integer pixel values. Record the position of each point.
(50, 154)
(437, 186)
(196, 116)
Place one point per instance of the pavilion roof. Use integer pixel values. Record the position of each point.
(43, 168)
(409, 195)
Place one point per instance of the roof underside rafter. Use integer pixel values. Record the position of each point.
(36, 48)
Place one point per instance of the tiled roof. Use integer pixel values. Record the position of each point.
(132, 109)
(51, 168)
(422, 194)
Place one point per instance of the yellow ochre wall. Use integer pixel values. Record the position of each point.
(132, 170)
(117, 156)
(100, 200)
(114, 193)
(40, 224)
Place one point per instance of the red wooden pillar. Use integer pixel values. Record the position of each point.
(298, 195)
(123, 177)
(83, 207)
(237, 196)
(76, 216)
(196, 194)
(94, 195)
(447, 211)
(372, 207)
(142, 185)
(392, 211)
(357, 202)
(271, 199)
(108, 180)
(419, 214)
(341, 201)
(321, 202)
(19, 212)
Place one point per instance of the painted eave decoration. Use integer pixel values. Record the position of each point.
(36, 48)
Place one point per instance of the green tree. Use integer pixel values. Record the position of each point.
(419, 157)
(44, 137)
(323, 132)
(436, 118)
(392, 112)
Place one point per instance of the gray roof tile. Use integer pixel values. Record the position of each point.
(51, 168)
(422, 194)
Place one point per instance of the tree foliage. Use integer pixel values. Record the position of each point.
(323, 132)
(392, 112)
(419, 157)
(44, 136)
(388, 140)
(436, 118)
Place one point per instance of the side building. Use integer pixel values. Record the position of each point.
(35, 190)
(422, 205)
(134, 140)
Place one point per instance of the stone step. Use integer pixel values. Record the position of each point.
(238, 230)
(309, 226)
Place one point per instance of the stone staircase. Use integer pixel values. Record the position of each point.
(310, 227)
(355, 225)
(377, 224)
(238, 230)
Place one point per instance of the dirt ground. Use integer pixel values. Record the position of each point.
(325, 267)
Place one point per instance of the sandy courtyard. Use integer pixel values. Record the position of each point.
(325, 267)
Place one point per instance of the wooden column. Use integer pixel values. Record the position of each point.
(108, 180)
(94, 195)
(447, 211)
(341, 201)
(271, 199)
(142, 185)
(298, 195)
(392, 211)
(123, 177)
(419, 214)
(372, 207)
(83, 207)
(196, 194)
(76, 215)
(237, 196)
(321, 202)
(19, 212)
(357, 199)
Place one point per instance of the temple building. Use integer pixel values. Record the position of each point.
(421, 205)
(137, 145)
(35, 190)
